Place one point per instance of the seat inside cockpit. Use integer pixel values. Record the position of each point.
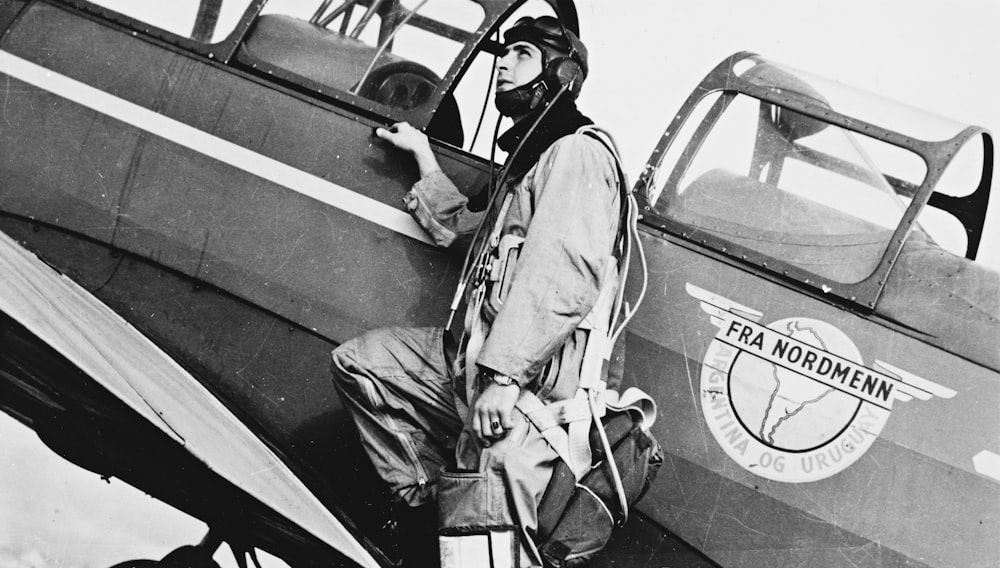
(779, 224)
(333, 60)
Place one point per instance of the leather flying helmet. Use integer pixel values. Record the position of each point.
(564, 64)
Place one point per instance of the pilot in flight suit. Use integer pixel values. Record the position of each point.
(423, 402)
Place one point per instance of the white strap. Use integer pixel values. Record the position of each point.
(567, 445)
(592, 367)
(559, 413)
(580, 455)
(636, 399)
(501, 217)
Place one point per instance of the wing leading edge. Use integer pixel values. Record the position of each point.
(103, 345)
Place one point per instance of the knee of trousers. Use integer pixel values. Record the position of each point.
(340, 358)
(346, 368)
(356, 357)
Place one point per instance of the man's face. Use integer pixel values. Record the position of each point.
(521, 64)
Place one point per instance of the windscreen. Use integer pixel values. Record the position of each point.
(787, 186)
(391, 51)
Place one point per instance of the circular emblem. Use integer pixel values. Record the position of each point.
(770, 415)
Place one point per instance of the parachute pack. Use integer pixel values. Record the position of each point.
(576, 518)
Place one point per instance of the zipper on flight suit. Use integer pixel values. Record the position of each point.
(408, 448)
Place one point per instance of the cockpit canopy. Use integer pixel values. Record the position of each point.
(392, 53)
(400, 59)
(832, 187)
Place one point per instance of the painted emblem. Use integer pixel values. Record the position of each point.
(793, 400)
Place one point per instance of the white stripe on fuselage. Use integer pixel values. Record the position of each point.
(200, 141)
(988, 464)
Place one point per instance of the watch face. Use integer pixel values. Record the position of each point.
(503, 380)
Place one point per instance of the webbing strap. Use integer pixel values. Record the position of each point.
(573, 446)
(633, 399)
(597, 324)
(501, 217)
(559, 413)
(605, 138)
(580, 455)
(595, 352)
(561, 441)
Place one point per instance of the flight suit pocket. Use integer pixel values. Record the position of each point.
(476, 530)
(472, 500)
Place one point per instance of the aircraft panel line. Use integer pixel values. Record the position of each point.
(200, 141)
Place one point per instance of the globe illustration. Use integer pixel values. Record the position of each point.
(784, 409)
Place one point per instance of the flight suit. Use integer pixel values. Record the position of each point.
(409, 402)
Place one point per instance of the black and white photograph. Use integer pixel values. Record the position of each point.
(499, 284)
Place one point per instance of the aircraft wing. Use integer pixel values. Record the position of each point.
(103, 345)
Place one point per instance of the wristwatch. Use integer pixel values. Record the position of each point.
(502, 380)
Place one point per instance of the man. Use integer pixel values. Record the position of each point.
(424, 402)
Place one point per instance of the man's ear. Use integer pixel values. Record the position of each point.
(564, 71)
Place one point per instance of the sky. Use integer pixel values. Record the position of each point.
(646, 56)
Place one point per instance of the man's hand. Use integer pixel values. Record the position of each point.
(405, 137)
(492, 413)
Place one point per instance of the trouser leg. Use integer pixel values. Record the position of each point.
(397, 386)
(521, 464)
